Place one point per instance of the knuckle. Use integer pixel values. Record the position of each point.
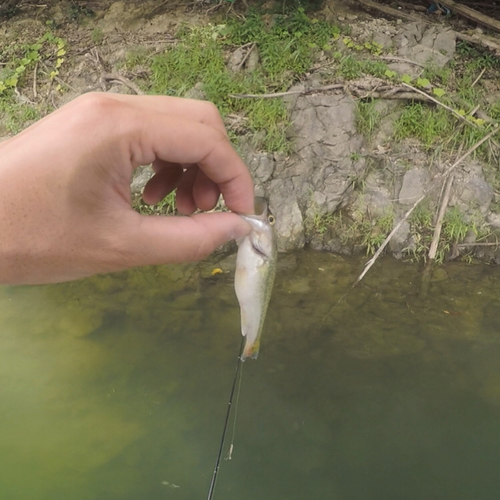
(212, 113)
(95, 106)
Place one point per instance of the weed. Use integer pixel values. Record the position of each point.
(427, 124)
(166, 206)
(322, 222)
(17, 115)
(455, 228)
(436, 74)
(350, 68)
(20, 60)
(286, 51)
(373, 233)
(367, 118)
(77, 12)
(97, 36)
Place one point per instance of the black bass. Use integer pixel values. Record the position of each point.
(255, 270)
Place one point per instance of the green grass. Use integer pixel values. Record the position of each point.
(16, 115)
(164, 207)
(286, 50)
(423, 122)
(367, 118)
(454, 229)
(48, 53)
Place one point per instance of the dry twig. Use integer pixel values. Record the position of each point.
(376, 255)
(401, 59)
(34, 80)
(249, 51)
(479, 77)
(290, 92)
(439, 221)
(370, 263)
(439, 103)
(114, 77)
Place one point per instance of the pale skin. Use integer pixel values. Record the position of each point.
(65, 208)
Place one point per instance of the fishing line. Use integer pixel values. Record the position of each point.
(235, 418)
(239, 363)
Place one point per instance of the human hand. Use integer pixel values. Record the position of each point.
(65, 188)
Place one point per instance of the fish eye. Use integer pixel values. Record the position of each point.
(271, 219)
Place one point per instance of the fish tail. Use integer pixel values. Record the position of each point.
(251, 350)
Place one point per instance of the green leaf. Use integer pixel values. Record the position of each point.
(389, 73)
(406, 78)
(423, 82)
(60, 52)
(438, 92)
(461, 112)
(480, 121)
(59, 63)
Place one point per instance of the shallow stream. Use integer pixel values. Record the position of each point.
(115, 387)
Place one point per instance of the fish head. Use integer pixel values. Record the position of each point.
(263, 236)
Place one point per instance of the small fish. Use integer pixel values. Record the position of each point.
(255, 270)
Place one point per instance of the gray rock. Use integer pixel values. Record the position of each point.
(253, 60)
(414, 182)
(236, 59)
(386, 128)
(197, 92)
(324, 134)
(426, 44)
(401, 239)
(261, 166)
(471, 192)
(386, 41)
(493, 220)
(140, 179)
(289, 221)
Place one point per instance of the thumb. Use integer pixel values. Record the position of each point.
(162, 240)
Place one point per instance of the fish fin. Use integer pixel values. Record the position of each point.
(251, 350)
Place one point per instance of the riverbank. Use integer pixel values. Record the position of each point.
(374, 116)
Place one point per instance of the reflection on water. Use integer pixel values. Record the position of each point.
(116, 387)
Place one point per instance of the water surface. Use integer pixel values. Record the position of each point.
(116, 387)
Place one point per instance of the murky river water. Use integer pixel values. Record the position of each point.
(116, 387)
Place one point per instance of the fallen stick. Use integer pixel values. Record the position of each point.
(35, 95)
(398, 14)
(376, 255)
(472, 14)
(370, 263)
(439, 103)
(289, 92)
(247, 55)
(468, 152)
(113, 77)
(490, 244)
(401, 59)
(439, 221)
(390, 11)
(479, 77)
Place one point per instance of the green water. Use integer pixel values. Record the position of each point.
(116, 387)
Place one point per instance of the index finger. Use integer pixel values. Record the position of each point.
(193, 109)
(179, 140)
